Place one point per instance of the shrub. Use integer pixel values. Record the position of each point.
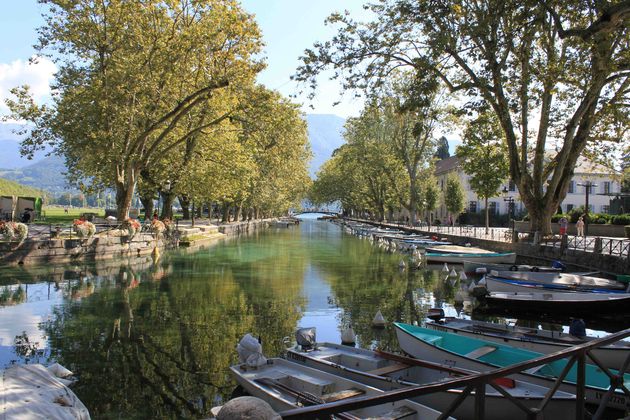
(84, 229)
(556, 217)
(13, 231)
(621, 219)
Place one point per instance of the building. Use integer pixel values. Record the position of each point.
(603, 185)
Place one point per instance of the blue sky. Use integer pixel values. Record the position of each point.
(288, 26)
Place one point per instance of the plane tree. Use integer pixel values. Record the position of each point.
(135, 82)
(555, 73)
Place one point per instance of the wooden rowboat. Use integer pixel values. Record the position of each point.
(388, 371)
(286, 385)
(483, 355)
(542, 341)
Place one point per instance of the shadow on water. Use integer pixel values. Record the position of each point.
(154, 339)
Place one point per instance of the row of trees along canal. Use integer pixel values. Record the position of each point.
(543, 81)
(157, 91)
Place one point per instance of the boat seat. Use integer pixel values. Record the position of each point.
(481, 351)
(388, 369)
(397, 413)
(535, 369)
(342, 395)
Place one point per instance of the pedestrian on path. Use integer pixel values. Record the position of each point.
(580, 226)
(564, 223)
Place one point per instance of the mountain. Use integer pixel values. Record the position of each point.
(47, 174)
(325, 132)
(10, 157)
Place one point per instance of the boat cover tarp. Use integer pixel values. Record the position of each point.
(32, 392)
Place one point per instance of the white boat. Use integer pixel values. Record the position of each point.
(542, 341)
(483, 268)
(561, 279)
(286, 385)
(387, 372)
(486, 257)
(507, 285)
(481, 355)
(457, 249)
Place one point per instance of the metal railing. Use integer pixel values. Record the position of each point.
(478, 382)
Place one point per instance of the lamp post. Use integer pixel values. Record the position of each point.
(587, 187)
(510, 200)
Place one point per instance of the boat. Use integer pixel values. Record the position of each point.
(486, 257)
(286, 385)
(576, 280)
(458, 249)
(542, 341)
(483, 268)
(495, 283)
(575, 303)
(483, 355)
(388, 371)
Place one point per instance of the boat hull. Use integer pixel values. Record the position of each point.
(507, 257)
(423, 350)
(612, 357)
(500, 284)
(497, 407)
(576, 304)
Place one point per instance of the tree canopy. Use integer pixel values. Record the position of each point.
(555, 74)
(146, 88)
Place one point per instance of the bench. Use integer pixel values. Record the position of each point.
(388, 369)
(481, 351)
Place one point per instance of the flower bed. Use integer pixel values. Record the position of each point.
(13, 231)
(83, 228)
(132, 226)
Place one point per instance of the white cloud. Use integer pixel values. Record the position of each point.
(37, 75)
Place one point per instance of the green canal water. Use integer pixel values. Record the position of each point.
(154, 339)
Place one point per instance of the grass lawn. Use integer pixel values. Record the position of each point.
(57, 215)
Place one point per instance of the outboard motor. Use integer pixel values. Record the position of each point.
(435, 314)
(577, 328)
(305, 338)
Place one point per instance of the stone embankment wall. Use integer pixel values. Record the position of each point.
(67, 250)
(109, 247)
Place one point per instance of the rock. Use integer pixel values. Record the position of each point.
(247, 408)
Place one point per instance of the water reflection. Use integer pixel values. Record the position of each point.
(154, 338)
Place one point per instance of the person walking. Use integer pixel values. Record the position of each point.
(580, 226)
(564, 223)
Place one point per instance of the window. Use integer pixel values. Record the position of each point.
(606, 187)
(571, 187)
(569, 207)
(492, 207)
(472, 207)
(512, 186)
(606, 209)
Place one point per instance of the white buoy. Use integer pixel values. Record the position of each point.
(453, 280)
(445, 268)
(379, 320)
(471, 286)
(453, 273)
(348, 337)
(402, 264)
(462, 275)
(459, 296)
(482, 282)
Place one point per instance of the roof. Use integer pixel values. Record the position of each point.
(447, 165)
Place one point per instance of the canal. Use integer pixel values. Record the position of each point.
(154, 339)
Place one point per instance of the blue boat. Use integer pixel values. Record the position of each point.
(481, 355)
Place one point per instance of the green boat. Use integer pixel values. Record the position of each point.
(475, 354)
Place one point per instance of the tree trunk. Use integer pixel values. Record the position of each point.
(239, 211)
(147, 203)
(413, 202)
(487, 215)
(185, 203)
(125, 185)
(226, 213)
(540, 215)
(167, 208)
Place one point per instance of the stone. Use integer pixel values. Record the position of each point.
(247, 408)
